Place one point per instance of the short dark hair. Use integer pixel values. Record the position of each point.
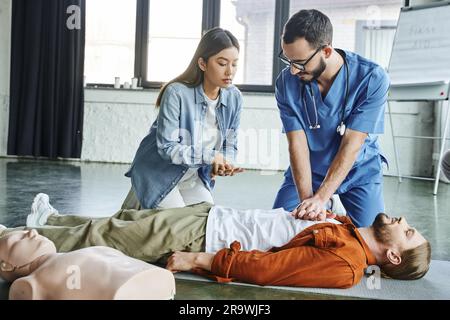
(312, 25)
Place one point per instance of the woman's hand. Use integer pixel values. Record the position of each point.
(218, 164)
(221, 168)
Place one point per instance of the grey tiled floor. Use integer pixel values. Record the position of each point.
(95, 189)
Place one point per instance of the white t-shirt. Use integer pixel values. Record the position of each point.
(254, 228)
(210, 138)
(210, 132)
(189, 178)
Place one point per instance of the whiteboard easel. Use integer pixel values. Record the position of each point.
(419, 66)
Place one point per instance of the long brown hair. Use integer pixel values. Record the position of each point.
(212, 42)
(414, 265)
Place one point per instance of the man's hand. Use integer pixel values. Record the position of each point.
(312, 209)
(186, 261)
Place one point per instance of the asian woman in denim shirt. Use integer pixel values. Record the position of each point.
(194, 137)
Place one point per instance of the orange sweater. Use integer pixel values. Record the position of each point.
(325, 255)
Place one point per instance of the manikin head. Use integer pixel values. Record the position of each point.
(405, 252)
(18, 249)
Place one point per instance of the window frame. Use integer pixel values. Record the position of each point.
(361, 26)
(210, 19)
(100, 85)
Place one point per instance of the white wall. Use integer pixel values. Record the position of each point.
(409, 119)
(115, 121)
(5, 47)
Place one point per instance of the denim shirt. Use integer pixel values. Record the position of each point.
(174, 143)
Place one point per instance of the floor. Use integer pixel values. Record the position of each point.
(97, 189)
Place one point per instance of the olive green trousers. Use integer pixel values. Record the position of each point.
(150, 235)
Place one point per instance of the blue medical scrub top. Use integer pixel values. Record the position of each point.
(364, 112)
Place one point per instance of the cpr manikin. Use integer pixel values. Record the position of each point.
(36, 271)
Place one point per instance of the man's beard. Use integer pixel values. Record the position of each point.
(381, 229)
(317, 72)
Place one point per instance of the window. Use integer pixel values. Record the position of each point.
(344, 16)
(376, 43)
(175, 28)
(110, 40)
(168, 31)
(252, 22)
(154, 40)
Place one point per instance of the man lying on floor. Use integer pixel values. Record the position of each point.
(277, 248)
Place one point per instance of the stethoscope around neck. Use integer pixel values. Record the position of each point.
(341, 127)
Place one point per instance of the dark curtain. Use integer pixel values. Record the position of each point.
(46, 88)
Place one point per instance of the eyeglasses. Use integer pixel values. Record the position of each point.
(298, 65)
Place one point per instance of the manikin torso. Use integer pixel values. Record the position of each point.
(96, 273)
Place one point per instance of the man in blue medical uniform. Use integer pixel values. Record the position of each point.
(332, 106)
